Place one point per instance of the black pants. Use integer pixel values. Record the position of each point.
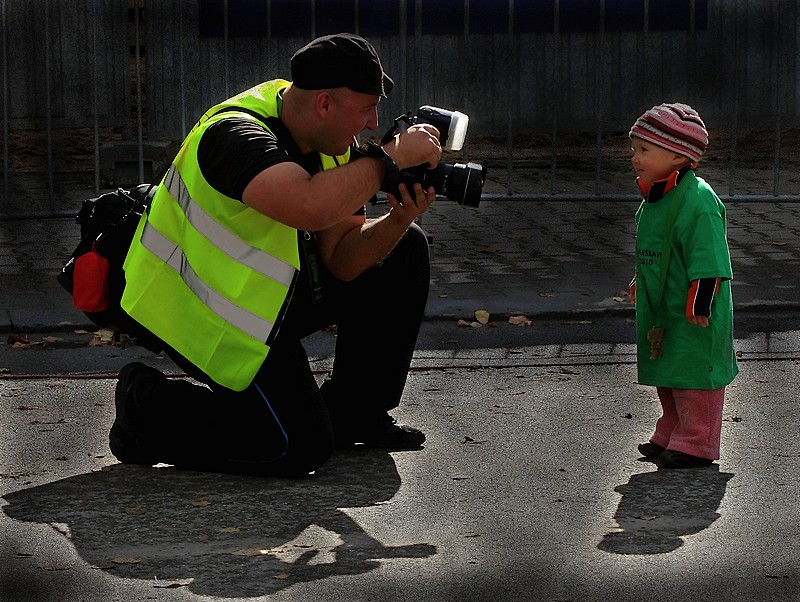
(283, 423)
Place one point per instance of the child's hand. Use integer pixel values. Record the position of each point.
(632, 293)
(699, 300)
(701, 321)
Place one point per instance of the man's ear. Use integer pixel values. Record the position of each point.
(324, 102)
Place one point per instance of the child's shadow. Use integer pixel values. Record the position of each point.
(223, 535)
(658, 508)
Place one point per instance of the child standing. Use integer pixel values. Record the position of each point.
(682, 288)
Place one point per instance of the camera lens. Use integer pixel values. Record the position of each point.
(463, 183)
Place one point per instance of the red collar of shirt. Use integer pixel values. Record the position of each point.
(653, 191)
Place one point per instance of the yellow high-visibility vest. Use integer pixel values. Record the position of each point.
(207, 274)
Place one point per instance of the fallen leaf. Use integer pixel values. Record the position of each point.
(229, 529)
(135, 511)
(482, 316)
(105, 336)
(125, 560)
(19, 345)
(17, 338)
(519, 321)
(201, 504)
(281, 576)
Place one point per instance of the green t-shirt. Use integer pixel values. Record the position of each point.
(693, 357)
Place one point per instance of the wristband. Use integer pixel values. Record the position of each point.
(391, 178)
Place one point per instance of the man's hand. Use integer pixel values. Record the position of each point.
(407, 208)
(417, 145)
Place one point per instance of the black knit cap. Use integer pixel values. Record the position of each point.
(340, 60)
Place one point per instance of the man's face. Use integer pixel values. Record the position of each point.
(348, 114)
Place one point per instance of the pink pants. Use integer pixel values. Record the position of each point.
(691, 421)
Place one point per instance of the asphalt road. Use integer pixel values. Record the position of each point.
(529, 488)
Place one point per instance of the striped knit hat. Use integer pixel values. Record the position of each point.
(676, 127)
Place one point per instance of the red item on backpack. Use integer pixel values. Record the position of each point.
(90, 282)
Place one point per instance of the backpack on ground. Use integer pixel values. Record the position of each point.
(93, 274)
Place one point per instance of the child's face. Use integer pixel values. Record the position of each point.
(652, 163)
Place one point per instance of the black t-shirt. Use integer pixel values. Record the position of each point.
(233, 151)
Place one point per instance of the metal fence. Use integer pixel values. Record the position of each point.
(98, 93)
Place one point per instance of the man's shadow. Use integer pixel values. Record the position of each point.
(222, 535)
(659, 507)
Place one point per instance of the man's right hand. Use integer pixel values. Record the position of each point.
(417, 145)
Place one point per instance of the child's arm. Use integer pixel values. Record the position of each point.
(700, 299)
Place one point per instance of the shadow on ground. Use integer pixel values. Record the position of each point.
(658, 508)
(221, 535)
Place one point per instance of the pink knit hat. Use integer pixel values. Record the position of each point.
(674, 126)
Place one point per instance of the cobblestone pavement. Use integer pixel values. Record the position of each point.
(538, 255)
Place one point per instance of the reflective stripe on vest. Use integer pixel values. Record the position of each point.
(266, 264)
(235, 247)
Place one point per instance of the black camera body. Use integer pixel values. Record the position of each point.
(460, 182)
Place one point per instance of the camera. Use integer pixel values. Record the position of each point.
(460, 182)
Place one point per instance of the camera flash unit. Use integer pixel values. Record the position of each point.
(452, 125)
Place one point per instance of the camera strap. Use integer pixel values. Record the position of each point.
(402, 121)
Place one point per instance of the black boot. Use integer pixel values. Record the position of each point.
(128, 439)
